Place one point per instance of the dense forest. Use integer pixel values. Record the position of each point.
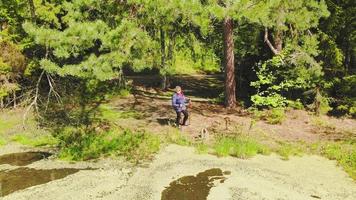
(274, 53)
(89, 79)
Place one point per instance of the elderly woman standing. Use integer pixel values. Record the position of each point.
(179, 102)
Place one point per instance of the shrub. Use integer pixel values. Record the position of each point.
(89, 145)
(275, 116)
(295, 104)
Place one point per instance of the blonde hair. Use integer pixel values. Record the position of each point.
(178, 88)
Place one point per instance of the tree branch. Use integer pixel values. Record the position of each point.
(274, 50)
(34, 102)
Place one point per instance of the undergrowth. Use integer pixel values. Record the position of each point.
(132, 145)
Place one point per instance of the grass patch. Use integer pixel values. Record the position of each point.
(131, 145)
(202, 148)
(241, 147)
(275, 116)
(7, 125)
(125, 92)
(46, 140)
(323, 125)
(176, 137)
(119, 92)
(344, 153)
(285, 150)
(2, 141)
(111, 114)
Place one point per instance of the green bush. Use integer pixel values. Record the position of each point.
(344, 94)
(286, 76)
(275, 116)
(89, 145)
(295, 104)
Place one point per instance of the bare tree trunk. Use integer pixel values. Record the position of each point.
(277, 47)
(163, 59)
(14, 97)
(278, 40)
(230, 84)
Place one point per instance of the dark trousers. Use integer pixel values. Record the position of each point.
(185, 112)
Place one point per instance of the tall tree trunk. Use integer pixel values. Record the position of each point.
(230, 84)
(169, 59)
(163, 59)
(32, 9)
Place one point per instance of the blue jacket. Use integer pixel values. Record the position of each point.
(178, 102)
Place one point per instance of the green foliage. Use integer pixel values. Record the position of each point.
(124, 92)
(331, 55)
(275, 116)
(300, 14)
(111, 114)
(241, 147)
(79, 144)
(296, 104)
(344, 153)
(285, 77)
(12, 64)
(345, 95)
(322, 104)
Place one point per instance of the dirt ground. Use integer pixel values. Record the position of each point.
(299, 125)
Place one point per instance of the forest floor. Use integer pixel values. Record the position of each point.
(176, 169)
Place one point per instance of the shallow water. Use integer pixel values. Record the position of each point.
(21, 178)
(24, 158)
(194, 187)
